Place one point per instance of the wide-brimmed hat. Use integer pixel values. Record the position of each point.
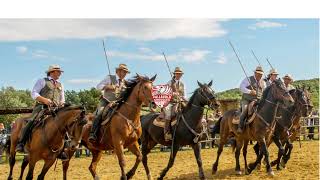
(259, 70)
(273, 71)
(54, 68)
(177, 70)
(288, 76)
(123, 67)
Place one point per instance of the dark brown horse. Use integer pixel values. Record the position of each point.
(259, 130)
(124, 128)
(286, 127)
(186, 131)
(47, 140)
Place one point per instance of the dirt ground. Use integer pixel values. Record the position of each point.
(304, 164)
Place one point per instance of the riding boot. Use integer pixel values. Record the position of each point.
(95, 129)
(242, 121)
(24, 137)
(167, 133)
(63, 155)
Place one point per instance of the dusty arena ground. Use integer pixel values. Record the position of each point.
(304, 164)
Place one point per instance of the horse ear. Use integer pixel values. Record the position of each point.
(138, 76)
(201, 85)
(153, 78)
(210, 83)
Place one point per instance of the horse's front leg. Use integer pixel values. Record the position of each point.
(173, 154)
(244, 151)
(96, 156)
(118, 148)
(286, 157)
(65, 164)
(280, 151)
(134, 148)
(24, 164)
(32, 164)
(197, 153)
(47, 164)
(237, 155)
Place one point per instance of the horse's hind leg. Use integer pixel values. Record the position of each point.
(280, 151)
(197, 154)
(32, 164)
(173, 154)
(12, 161)
(146, 148)
(46, 167)
(223, 141)
(24, 164)
(244, 151)
(256, 149)
(134, 148)
(96, 156)
(118, 147)
(286, 157)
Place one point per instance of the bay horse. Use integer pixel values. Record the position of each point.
(259, 129)
(123, 129)
(47, 140)
(288, 124)
(185, 133)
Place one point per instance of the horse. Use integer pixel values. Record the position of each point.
(47, 139)
(259, 129)
(185, 133)
(286, 127)
(123, 129)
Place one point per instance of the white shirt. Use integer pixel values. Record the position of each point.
(40, 84)
(104, 82)
(245, 83)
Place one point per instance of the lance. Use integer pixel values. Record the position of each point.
(269, 63)
(105, 54)
(257, 60)
(167, 64)
(241, 64)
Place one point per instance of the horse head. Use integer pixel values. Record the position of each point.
(144, 86)
(207, 95)
(280, 93)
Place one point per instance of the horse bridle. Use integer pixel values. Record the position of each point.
(206, 98)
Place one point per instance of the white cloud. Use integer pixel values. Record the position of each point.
(138, 29)
(183, 55)
(83, 81)
(266, 24)
(222, 59)
(42, 54)
(22, 49)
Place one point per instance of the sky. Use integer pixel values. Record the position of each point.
(199, 46)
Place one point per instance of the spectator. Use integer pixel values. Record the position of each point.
(311, 124)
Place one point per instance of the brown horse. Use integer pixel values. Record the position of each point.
(47, 140)
(258, 130)
(288, 126)
(124, 128)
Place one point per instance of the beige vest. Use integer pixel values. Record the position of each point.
(177, 88)
(52, 91)
(258, 86)
(113, 95)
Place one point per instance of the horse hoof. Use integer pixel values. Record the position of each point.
(214, 169)
(160, 178)
(238, 172)
(283, 164)
(258, 166)
(9, 178)
(246, 172)
(149, 177)
(96, 178)
(271, 173)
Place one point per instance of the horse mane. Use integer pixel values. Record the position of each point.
(130, 84)
(264, 96)
(191, 100)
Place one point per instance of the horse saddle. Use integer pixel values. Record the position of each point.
(248, 119)
(160, 121)
(107, 114)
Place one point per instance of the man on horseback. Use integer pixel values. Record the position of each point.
(272, 76)
(178, 90)
(287, 79)
(251, 89)
(48, 92)
(111, 87)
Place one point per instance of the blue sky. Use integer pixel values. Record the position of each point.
(199, 46)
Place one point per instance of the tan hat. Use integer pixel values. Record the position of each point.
(259, 70)
(123, 67)
(177, 70)
(288, 76)
(273, 71)
(54, 68)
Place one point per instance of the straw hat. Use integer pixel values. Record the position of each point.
(177, 70)
(54, 68)
(288, 76)
(273, 71)
(259, 70)
(123, 67)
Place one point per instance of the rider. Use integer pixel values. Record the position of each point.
(111, 87)
(251, 89)
(178, 89)
(47, 91)
(272, 76)
(287, 79)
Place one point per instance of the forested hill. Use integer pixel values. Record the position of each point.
(312, 83)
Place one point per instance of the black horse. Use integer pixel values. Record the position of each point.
(186, 131)
(284, 128)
